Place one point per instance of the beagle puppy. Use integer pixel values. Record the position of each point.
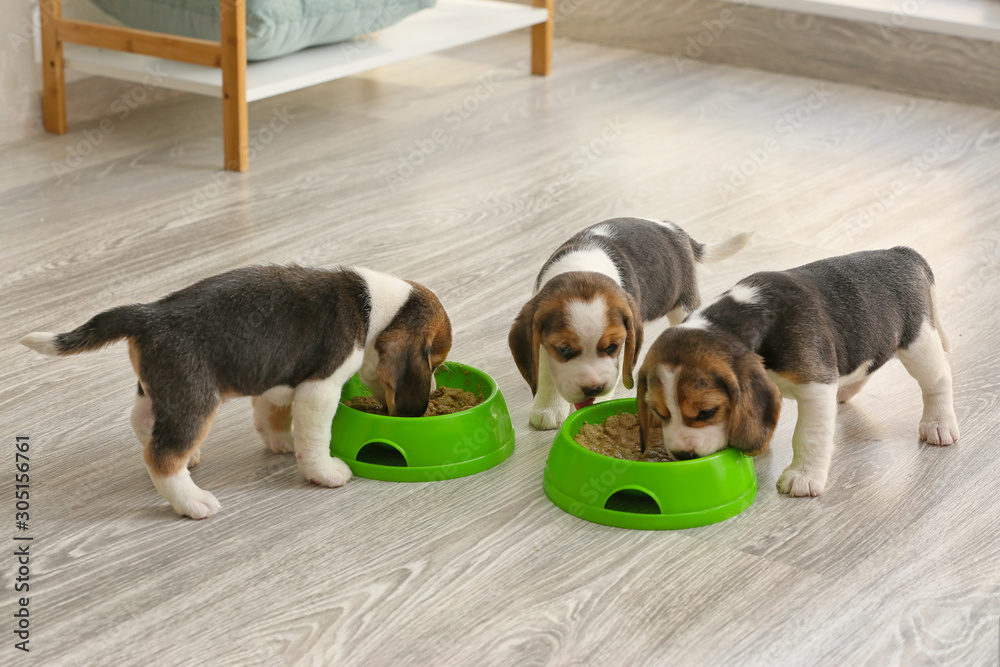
(814, 334)
(589, 304)
(288, 336)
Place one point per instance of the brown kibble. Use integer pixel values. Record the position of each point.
(366, 404)
(444, 401)
(618, 436)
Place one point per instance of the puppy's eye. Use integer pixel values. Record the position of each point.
(566, 353)
(666, 419)
(705, 415)
(611, 349)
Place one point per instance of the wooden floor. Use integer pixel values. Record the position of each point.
(463, 172)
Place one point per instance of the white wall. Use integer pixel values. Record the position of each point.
(20, 75)
(20, 78)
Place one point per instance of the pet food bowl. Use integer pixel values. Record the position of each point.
(644, 494)
(425, 449)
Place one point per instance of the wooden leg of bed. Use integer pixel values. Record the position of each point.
(53, 77)
(541, 41)
(234, 84)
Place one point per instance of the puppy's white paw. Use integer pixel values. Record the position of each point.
(548, 417)
(796, 482)
(197, 505)
(194, 458)
(330, 472)
(939, 431)
(279, 443)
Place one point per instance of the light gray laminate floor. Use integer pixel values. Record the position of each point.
(898, 562)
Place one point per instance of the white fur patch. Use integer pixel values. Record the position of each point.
(924, 360)
(587, 319)
(313, 409)
(601, 230)
(185, 496)
(856, 376)
(41, 341)
(549, 409)
(663, 223)
(279, 395)
(388, 294)
(812, 441)
(695, 321)
(743, 294)
(589, 368)
(593, 260)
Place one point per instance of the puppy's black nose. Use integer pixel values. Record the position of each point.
(592, 391)
(684, 456)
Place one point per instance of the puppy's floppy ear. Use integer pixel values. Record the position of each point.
(756, 405)
(633, 341)
(404, 370)
(525, 339)
(642, 411)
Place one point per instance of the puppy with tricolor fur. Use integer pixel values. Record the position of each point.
(288, 336)
(582, 329)
(814, 334)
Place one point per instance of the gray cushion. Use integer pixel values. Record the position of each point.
(274, 27)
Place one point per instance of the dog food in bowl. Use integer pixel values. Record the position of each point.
(444, 401)
(643, 493)
(618, 436)
(398, 449)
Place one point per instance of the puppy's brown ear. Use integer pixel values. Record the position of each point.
(642, 411)
(633, 342)
(756, 405)
(404, 370)
(524, 340)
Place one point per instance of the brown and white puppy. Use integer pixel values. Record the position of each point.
(286, 335)
(590, 301)
(814, 334)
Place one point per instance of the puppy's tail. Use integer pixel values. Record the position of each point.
(706, 253)
(103, 328)
(936, 315)
(928, 275)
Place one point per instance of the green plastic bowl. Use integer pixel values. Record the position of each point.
(426, 449)
(644, 494)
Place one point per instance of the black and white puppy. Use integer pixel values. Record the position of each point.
(589, 304)
(289, 337)
(814, 334)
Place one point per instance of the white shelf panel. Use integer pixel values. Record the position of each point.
(975, 19)
(450, 23)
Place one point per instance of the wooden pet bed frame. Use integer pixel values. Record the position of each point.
(466, 21)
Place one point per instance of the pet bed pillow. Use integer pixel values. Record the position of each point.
(274, 27)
